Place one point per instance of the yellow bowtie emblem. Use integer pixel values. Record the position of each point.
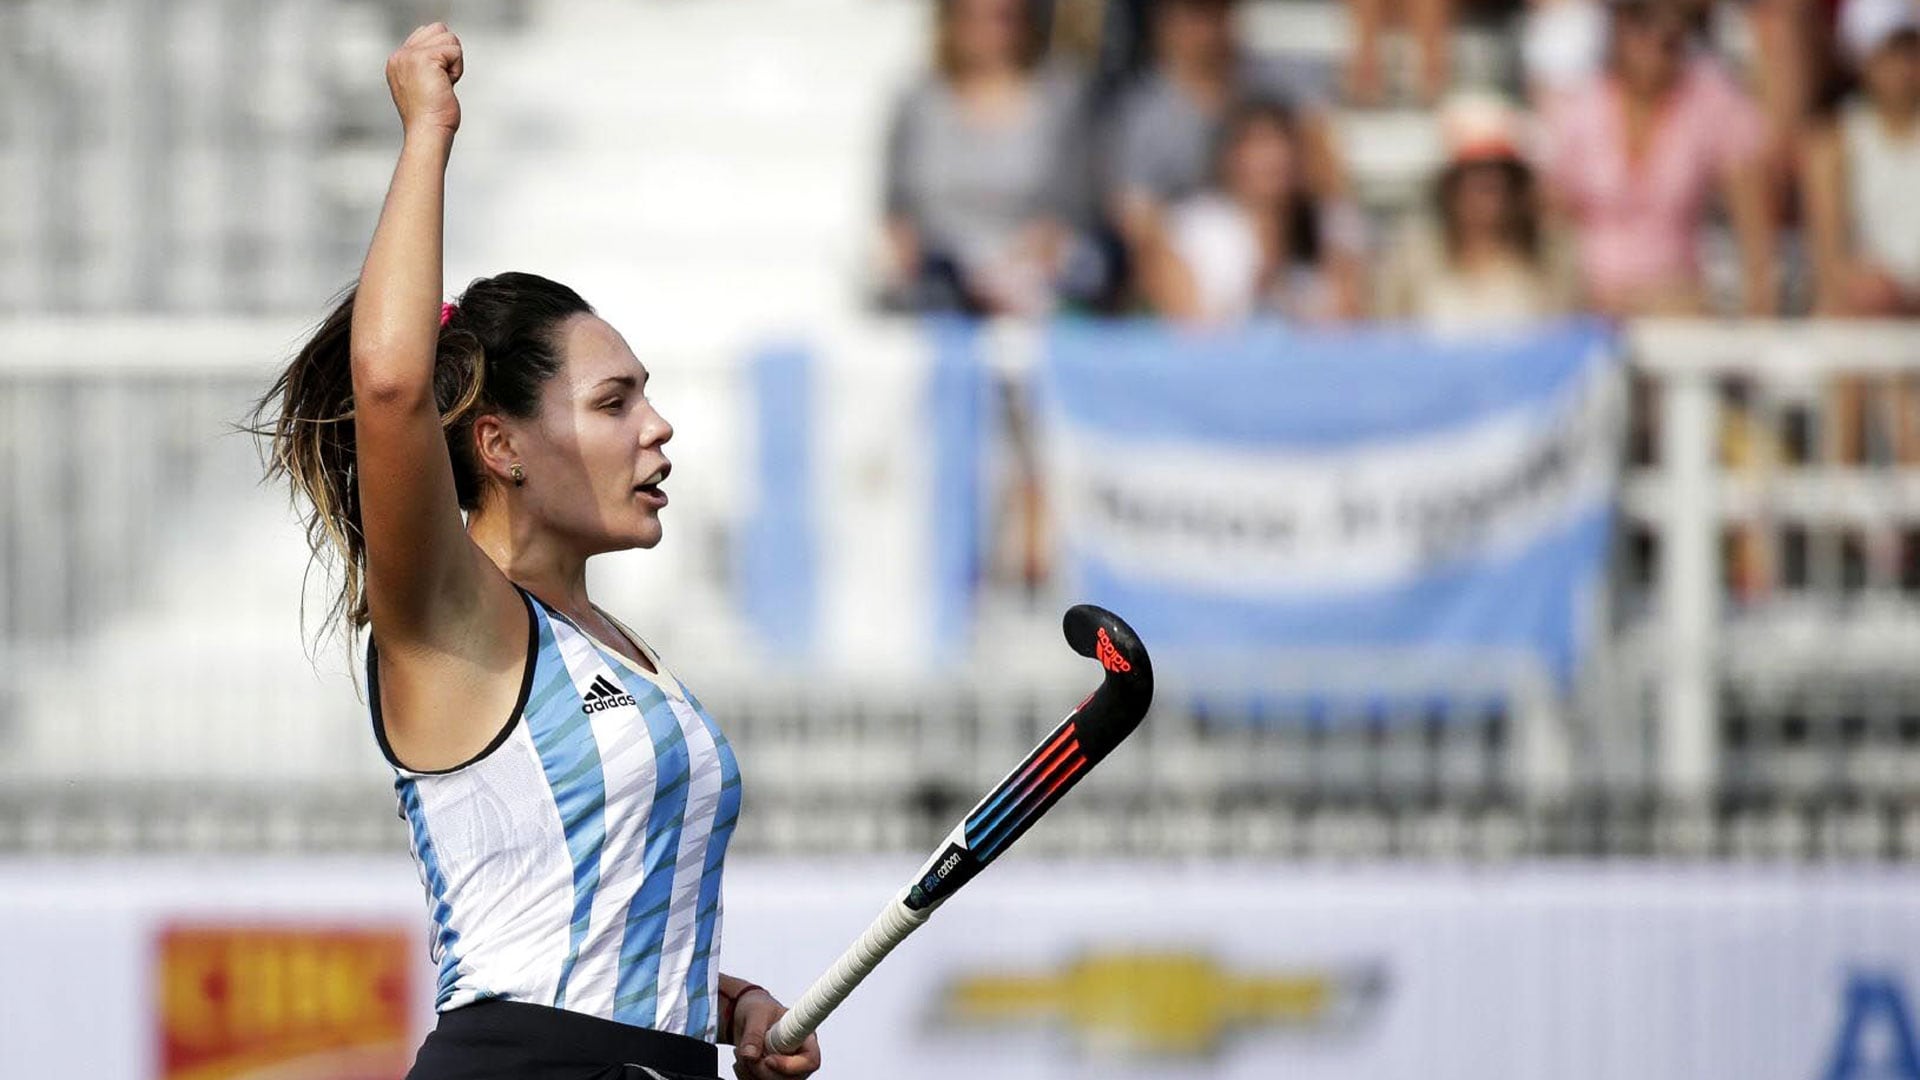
(1159, 1004)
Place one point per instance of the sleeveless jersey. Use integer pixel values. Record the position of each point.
(576, 861)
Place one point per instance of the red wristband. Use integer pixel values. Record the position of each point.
(727, 1003)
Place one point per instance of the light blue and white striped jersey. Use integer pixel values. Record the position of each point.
(576, 861)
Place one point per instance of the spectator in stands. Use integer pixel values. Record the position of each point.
(1563, 43)
(1168, 122)
(1431, 24)
(988, 172)
(1256, 242)
(1861, 179)
(1489, 257)
(1634, 157)
(1861, 173)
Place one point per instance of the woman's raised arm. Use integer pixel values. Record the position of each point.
(420, 565)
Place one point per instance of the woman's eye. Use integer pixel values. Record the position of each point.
(613, 404)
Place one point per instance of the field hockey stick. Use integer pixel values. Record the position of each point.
(1089, 732)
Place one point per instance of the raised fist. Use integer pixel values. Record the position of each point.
(421, 74)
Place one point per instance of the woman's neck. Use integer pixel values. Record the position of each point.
(987, 77)
(1476, 250)
(1642, 106)
(1273, 228)
(991, 96)
(1897, 117)
(1206, 77)
(1648, 94)
(532, 559)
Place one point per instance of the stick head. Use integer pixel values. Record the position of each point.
(1112, 712)
(1089, 732)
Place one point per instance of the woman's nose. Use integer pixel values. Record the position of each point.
(658, 430)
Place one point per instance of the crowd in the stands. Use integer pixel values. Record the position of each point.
(1637, 157)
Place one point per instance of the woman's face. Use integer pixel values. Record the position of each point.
(1649, 46)
(988, 33)
(1259, 166)
(592, 452)
(1891, 76)
(1483, 199)
(1194, 31)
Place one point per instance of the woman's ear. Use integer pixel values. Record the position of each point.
(493, 444)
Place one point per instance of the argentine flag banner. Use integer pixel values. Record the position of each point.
(861, 550)
(1375, 489)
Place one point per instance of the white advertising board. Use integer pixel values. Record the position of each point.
(1062, 970)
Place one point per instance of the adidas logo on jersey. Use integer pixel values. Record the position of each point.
(603, 694)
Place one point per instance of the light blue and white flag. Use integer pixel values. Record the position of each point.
(1355, 489)
(861, 551)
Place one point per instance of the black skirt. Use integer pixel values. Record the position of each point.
(512, 1040)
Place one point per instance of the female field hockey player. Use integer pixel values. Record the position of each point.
(570, 801)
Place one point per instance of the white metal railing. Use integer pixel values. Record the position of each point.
(1690, 497)
(145, 571)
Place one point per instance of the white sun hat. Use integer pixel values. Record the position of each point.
(1865, 25)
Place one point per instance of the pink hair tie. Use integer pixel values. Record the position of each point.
(447, 312)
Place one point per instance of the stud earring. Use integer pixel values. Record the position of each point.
(519, 475)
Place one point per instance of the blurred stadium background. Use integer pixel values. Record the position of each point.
(1675, 840)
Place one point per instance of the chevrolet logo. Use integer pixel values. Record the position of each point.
(1159, 1004)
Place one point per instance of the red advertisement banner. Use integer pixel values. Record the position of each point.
(283, 1002)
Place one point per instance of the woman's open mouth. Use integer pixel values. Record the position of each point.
(649, 489)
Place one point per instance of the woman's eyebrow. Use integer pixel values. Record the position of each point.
(627, 382)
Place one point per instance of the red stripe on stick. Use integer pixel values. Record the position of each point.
(1078, 764)
(1031, 780)
(1040, 757)
(1073, 759)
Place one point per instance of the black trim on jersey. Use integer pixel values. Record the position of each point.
(513, 720)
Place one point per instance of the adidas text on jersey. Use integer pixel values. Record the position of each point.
(603, 694)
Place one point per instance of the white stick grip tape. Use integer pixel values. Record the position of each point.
(889, 928)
